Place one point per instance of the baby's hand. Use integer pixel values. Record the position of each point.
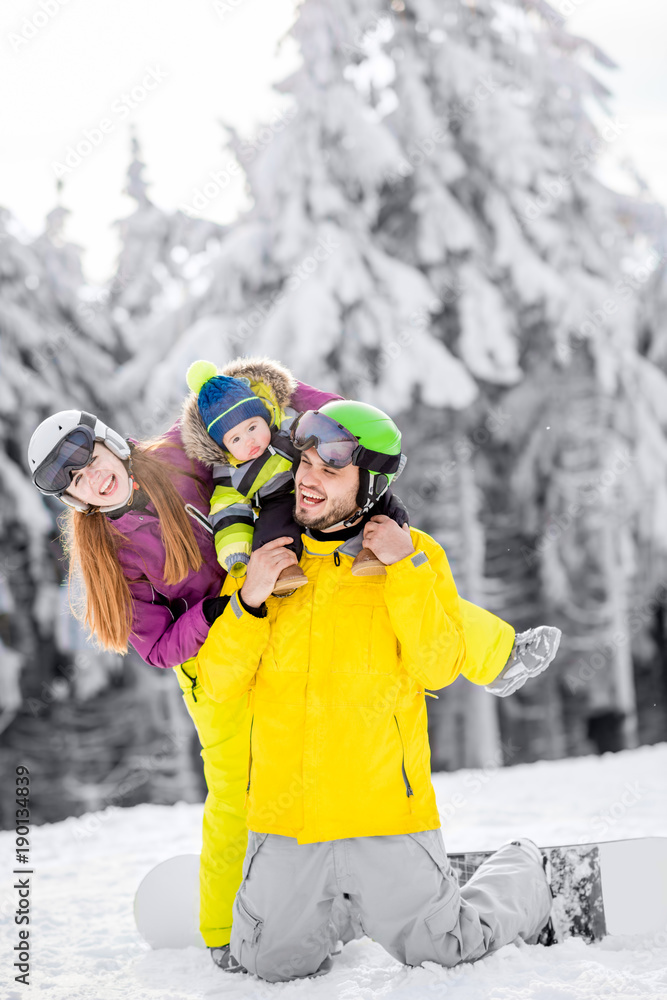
(389, 542)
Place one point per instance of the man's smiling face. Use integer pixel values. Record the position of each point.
(324, 496)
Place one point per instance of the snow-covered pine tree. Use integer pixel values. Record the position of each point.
(649, 604)
(462, 242)
(300, 276)
(57, 713)
(152, 297)
(444, 498)
(56, 354)
(496, 199)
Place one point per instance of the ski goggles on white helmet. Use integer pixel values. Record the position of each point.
(63, 444)
(72, 453)
(336, 445)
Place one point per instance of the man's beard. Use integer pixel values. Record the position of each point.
(343, 508)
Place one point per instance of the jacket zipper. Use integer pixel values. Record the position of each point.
(336, 558)
(247, 791)
(408, 787)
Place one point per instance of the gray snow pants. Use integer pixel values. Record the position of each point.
(287, 913)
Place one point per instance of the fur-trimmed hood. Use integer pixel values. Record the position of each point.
(268, 379)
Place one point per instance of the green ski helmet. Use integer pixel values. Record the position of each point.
(346, 432)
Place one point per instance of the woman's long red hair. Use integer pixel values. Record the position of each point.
(92, 542)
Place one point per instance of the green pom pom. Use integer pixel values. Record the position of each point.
(199, 373)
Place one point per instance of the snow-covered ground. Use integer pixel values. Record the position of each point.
(84, 943)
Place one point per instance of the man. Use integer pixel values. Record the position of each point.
(340, 800)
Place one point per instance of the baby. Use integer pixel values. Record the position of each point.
(240, 426)
(243, 432)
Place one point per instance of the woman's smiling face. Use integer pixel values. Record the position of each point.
(104, 482)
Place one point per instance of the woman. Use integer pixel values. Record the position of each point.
(138, 535)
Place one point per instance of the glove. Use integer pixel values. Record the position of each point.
(532, 653)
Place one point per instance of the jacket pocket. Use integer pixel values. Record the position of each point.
(246, 934)
(406, 780)
(251, 925)
(189, 682)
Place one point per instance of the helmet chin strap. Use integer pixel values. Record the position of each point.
(349, 521)
(371, 498)
(370, 501)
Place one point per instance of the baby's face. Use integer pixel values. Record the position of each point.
(248, 439)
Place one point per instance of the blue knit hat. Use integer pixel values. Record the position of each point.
(223, 402)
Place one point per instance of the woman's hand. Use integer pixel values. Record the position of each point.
(264, 568)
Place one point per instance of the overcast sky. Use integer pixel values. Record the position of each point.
(76, 73)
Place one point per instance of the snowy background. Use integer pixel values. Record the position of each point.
(439, 207)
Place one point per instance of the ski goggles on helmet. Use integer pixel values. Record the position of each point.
(337, 446)
(73, 452)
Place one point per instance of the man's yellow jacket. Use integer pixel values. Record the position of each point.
(337, 674)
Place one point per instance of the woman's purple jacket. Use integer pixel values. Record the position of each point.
(168, 621)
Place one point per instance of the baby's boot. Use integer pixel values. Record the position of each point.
(290, 579)
(366, 563)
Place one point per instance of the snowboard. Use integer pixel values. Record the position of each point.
(166, 904)
(616, 887)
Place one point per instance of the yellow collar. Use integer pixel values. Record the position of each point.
(314, 547)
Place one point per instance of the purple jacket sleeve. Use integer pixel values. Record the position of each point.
(177, 639)
(307, 397)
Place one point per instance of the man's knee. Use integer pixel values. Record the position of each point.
(289, 966)
(267, 950)
(277, 965)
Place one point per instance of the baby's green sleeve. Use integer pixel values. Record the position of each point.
(232, 520)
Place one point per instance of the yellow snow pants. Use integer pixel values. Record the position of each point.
(224, 734)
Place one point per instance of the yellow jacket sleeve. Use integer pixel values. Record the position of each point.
(489, 642)
(425, 613)
(228, 660)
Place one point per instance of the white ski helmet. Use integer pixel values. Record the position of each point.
(63, 443)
